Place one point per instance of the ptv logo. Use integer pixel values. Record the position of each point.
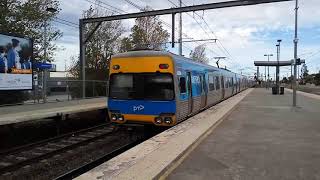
(138, 108)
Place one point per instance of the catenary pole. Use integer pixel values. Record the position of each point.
(82, 58)
(295, 41)
(180, 30)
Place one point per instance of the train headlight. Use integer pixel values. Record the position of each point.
(116, 67)
(158, 120)
(120, 118)
(168, 120)
(113, 117)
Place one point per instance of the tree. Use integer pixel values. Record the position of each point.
(147, 33)
(304, 73)
(28, 18)
(126, 44)
(317, 79)
(285, 80)
(199, 54)
(99, 48)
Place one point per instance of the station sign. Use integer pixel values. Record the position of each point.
(47, 66)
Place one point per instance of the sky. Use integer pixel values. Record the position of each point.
(245, 34)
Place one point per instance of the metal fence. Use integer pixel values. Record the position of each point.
(55, 91)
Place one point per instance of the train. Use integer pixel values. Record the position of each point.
(160, 88)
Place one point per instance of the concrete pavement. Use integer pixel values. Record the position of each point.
(22, 113)
(153, 157)
(263, 138)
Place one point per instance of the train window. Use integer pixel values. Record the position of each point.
(182, 85)
(217, 83)
(146, 86)
(211, 83)
(201, 84)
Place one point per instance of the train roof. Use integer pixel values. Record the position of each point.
(141, 53)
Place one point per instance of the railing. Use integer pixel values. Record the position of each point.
(56, 91)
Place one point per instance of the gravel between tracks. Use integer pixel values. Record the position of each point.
(62, 163)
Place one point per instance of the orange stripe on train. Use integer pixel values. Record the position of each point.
(141, 64)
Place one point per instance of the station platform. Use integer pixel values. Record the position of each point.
(252, 135)
(263, 138)
(23, 113)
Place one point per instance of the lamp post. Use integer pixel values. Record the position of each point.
(278, 68)
(268, 55)
(295, 41)
(45, 55)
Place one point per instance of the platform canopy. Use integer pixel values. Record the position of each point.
(276, 63)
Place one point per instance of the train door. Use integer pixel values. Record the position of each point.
(232, 85)
(203, 91)
(222, 87)
(189, 85)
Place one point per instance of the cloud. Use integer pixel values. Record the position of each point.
(246, 32)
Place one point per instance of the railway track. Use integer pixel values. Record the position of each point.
(16, 158)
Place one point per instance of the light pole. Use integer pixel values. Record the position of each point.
(265, 75)
(278, 68)
(268, 55)
(45, 55)
(180, 30)
(295, 41)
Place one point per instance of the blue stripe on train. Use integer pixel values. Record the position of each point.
(142, 106)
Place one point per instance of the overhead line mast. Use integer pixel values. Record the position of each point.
(180, 30)
(171, 11)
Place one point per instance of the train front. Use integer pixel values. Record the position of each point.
(141, 89)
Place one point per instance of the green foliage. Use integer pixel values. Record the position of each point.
(199, 54)
(285, 80)
(102, 44)
(317, 79)
(147, 33)
(304, 74)
(125, 45)
(28, 18)
(308, 79)
(304, 71)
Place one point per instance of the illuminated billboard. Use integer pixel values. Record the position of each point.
(16, 55)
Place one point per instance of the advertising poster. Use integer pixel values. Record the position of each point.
(16, 55)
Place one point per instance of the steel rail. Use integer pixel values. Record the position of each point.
(19, 164)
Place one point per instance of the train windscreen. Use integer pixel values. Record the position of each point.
(143, 86)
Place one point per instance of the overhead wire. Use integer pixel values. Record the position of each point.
(122, 11)
(219, 41)
(215, 36)
(141, 9)
(66, 22)
(98, 3)
(165, 23)
(222, 48)
(198, 24)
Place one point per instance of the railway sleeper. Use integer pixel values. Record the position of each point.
(77, 138)
(60, 145)
(4, 164)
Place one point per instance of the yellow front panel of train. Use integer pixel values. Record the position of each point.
(141, 64)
